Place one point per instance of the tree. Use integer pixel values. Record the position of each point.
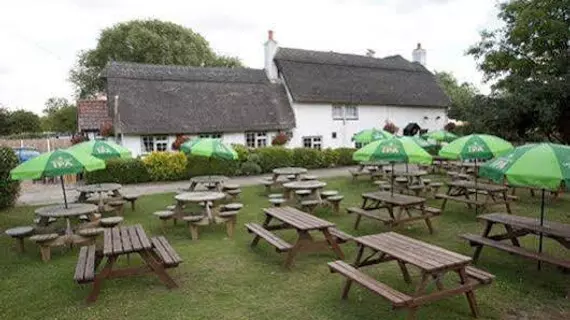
(4, 121)
(529, 61)
(22, 121)
(143, 41)
(60, 115)
(461, 95)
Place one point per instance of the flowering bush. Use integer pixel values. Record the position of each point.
(78, 138)
(166, 165)
(280, 139)
(390, 127)
(180, 139)
(106, 129)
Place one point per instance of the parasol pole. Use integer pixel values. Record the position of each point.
(64, 195)
(541, 224)
(392, 187)
(476, 192)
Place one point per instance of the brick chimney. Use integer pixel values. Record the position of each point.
(270, 50)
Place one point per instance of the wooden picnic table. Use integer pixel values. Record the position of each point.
(73, 210)
(100, 189)
(516, 227)
(375, 165)
(414, 176)
(470, 193)
(214, 183)
(156, 253)
(400, 208)
(314, 186)
(304, 224)
(288, 171)
(434, 264)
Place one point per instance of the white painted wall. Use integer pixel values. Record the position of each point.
(317, 120)
(134, 142)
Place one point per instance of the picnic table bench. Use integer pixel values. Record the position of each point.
(463, 190)
(304, 224)
(156, 253)
(517, 227)
(434, 264)
(409, 208)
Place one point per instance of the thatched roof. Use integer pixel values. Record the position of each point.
(329, 77)
(178, 99)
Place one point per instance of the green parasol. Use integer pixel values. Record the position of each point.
(209, 147)
(476, 146)
(393, 150)
(519, 168)
(426, 144)
(369, 135)
(102, 149)
(440, 136)
(56, 163)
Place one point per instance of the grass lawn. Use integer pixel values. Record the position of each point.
(223, 278)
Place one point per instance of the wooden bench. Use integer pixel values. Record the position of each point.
(334, 201)
(19, 233)
(396, 298)
(132, 198)
(479, 275)
(340, 236)
(355, 173)
(165, 252)
(431, 210)
(479, 241)
(309, 205)
(85, 268)
(279, 244)
(369, 214)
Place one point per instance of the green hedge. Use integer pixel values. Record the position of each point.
(122, 171)
(9, 188)
(251, 161)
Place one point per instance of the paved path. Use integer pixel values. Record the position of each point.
(42, 194)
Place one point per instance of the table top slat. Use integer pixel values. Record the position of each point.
(127, 246)
(145, 242)
(423, 255)
(107, 242)
(555, 229)
(117, 241)
(135, 242)
(396, 198)
(298, 219)
(478, 185)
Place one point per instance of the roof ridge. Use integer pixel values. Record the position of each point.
(355, 66)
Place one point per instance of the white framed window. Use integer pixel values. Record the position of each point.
(358, 145)
(154, 143)
(256, 139)
(344, 112)
(313, 142)
(215, 135)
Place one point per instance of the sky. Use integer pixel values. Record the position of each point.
(40, 39)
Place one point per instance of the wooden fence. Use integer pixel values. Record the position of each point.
(42, 145)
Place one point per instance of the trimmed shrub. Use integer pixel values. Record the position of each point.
(9, 189)
(242, 152)
(250, 168)
(164, 166)
(345, 156)
(274, 157)
(308, 158)
(123, 171)
(199, 166)
(331, 157)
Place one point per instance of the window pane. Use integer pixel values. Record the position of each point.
(161, 146)
(351, 112)
(337, 112)
(307, 142)
(250, 140)
(148, 144)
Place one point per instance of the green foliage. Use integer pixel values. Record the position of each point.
(199, 166)
(242, 152)
(345, 156)
(461, 95)
(123, 171)
(9, 188)
(21, 121)
(274, 157)
(308, 158)
(528, 60)
(4, 121)
(330, 157)
(249, 168)
(60, 115)
(143, 41)
(164, 166)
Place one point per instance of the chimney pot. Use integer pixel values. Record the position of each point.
(270, 35)
(419, 45)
